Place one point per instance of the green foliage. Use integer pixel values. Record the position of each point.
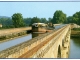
(59, 17)
(70, 19)
(76, 18)
(50, 20)
(34, 20)
(5, 21)
(27, 21)
(43, 20)
(17, 19)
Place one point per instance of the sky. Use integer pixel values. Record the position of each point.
(39, 9)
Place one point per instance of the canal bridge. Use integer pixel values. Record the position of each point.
(54, 44)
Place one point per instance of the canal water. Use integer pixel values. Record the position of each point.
(13, 42)
(74, 48)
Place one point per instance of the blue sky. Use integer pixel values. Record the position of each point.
(39, 9)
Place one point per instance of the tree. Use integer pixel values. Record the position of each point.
(70, 19)
(17, 19)
(43, 20)
(6, 22)
(76, 17)
(59, 17)
(50, 20)
(27, 21)
(34, 20)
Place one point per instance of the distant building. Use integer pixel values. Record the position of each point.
(0, 25)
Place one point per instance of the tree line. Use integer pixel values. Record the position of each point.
(17, 20)
(59, 17)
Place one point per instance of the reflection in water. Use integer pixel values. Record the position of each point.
(36, 34)
(74, 48)
(76, 41)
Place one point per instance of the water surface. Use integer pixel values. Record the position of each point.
(13, 42)
(74, 48)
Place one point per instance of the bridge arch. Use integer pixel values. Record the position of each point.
(59, 52)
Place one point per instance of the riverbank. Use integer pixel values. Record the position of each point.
(75, 33)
